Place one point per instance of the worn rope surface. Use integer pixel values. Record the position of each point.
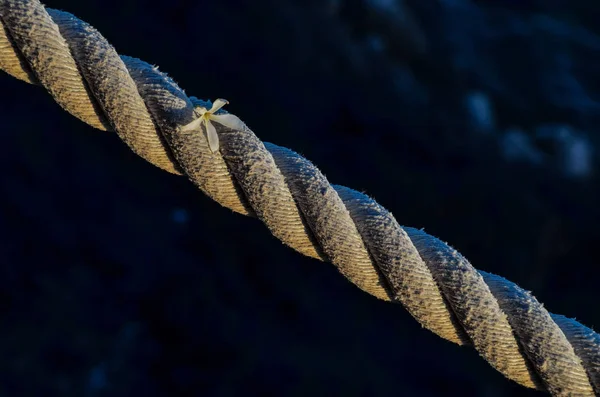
(439, 287)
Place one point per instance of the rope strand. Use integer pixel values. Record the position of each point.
(507, 326)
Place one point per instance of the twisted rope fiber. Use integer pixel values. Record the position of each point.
(507, 326)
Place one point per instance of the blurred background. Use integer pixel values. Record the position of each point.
(476, 120)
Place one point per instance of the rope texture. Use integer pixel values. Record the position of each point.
(507, 326)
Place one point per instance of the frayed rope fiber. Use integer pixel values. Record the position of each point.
(507, 326)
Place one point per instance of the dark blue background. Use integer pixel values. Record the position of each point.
(117, 279)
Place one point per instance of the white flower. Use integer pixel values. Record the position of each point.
(207, 115)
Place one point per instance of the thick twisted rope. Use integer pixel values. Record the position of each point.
(439, 288)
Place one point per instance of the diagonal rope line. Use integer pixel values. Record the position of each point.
(507, 326)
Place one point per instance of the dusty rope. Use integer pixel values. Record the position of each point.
(440, 288)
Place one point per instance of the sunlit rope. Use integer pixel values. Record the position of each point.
(154, 117)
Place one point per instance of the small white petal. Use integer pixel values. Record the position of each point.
(229, 121)
(219, 103)
(200, 110)
(213, 138)
(194, 125)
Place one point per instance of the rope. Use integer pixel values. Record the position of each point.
(507, 326)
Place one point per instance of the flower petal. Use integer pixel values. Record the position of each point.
(218, 104)
(194, 125)
(200, 110)
(211, 135)
(229, 121)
